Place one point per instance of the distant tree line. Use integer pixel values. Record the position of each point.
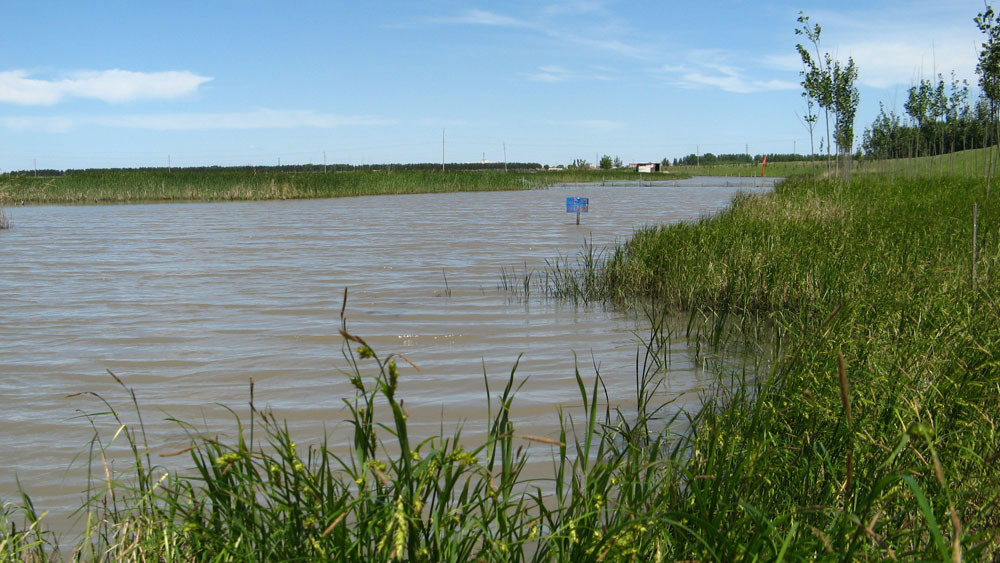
(292, 168)
(939, 119)
(742, 158)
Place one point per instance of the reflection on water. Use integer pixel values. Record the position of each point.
(187, 302)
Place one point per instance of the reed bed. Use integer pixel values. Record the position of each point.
(155, 185)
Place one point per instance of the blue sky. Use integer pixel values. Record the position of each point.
(125, 84)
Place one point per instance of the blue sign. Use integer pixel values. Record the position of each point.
(577, 204)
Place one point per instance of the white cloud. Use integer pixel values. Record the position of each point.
(51, 124)
(482, 17)
(553, 74)
(113, 86)
(702, 71)
(257, 119)
(572, 8)
(735, 83)
(882, 64)
(898, 44)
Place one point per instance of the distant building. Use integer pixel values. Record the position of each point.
(645, 166)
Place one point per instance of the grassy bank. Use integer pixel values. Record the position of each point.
(970, 163)
(137, 186)
(873, 435)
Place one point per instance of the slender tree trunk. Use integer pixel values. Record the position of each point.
(996, 129)
(826, 112)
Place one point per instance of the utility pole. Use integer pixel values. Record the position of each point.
(442, 149)
(168, 163)
(505, 157)
(36, 166)
(324, 162)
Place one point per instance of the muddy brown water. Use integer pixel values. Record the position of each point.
(187, 302)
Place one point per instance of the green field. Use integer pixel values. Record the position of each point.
(967, 164)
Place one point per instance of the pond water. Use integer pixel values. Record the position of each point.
(187, 302)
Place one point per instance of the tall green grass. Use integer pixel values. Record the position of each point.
(875, 434)
(134, 186)
(123, 186)
(971, 163)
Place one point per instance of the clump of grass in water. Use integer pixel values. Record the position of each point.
(4, 219)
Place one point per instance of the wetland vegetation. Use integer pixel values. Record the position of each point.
(228, 184)
(862, 425)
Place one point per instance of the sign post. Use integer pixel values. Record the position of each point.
(577, 205)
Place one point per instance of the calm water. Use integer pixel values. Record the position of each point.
(187, 302)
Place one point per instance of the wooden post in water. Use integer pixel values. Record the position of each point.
(578, 205)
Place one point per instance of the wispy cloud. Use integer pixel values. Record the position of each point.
(112, 86)
(257, 119)
(731, 80)
(482, 17)
(555, 73)
(551, 29)
(885, 63)
(712, 69)
(560, 9)
(897, 44)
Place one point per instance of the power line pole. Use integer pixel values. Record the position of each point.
(442, 149)
(505, 157)
(324, 162)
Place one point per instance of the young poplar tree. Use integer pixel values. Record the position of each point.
(832, 86)
(815, 78)
(988, 68)
(845, 105)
